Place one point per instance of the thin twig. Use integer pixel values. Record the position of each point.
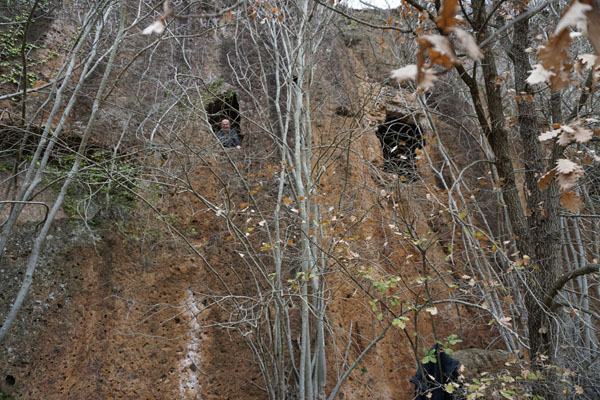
(40, 203)
(382, 27)
(506, 27)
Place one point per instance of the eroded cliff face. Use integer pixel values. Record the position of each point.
(136, 308)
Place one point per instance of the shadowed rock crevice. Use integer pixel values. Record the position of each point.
(400, 137)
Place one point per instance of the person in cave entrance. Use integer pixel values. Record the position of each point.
(229, 137)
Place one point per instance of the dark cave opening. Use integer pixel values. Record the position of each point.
(400, 137)
(225, 106)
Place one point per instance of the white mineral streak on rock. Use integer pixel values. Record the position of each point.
(189, 384)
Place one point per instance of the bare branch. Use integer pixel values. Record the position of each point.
(365, 23)
(565, 278)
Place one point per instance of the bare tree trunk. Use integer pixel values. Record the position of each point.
(544, 219)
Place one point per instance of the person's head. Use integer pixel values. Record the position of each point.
(225, 125)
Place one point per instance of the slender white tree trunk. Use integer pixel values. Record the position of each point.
(33, 258)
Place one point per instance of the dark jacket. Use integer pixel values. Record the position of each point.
(229, 139)
(425, 385)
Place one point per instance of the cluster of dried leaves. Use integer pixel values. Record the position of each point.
(439, 48)
(159, 25)
(556, 68)
(567, 172)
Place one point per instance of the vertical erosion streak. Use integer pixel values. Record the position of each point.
(189, 385)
